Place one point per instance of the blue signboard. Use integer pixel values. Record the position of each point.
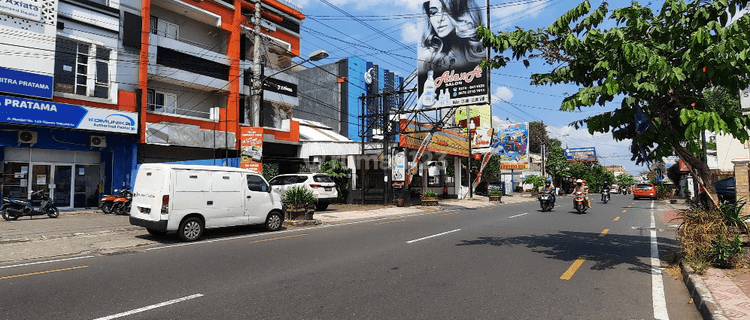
(580, 154)
(63, 115)
(25, 83)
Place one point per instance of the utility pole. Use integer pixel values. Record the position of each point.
(257, 85)
(468, 164)
(386, 131)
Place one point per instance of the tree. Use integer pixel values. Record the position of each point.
(537, 136)
(659, 63)
(340, 174)
(625, 180)
(556, 162)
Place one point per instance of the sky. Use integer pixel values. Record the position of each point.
(385, 32)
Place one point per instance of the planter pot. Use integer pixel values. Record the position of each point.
(496, 198)
(294, 213)
(429, 201)
(399, 202)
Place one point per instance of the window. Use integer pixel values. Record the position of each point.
(164, 28)
(82, 68)
(161, 101)
(256, 183)
(322, 179)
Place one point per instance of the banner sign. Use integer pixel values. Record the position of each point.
(512, 145)
(251, 144)
(398, 166)
(441, 141)
(481, 117)
(580, 154)
(63, 115)
(25, 83)
(25, 9)
(449, 55)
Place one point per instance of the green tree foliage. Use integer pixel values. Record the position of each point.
(537, 181)
(659, 62)
(674, 174)
(537, 136)
(625, 180)
(556, 163)
(270, 170)
(340, 174)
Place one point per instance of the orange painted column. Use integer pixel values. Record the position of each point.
(143, 67)
(233, 51)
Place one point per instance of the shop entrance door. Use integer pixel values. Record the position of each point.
(40, 177)
(62, 185)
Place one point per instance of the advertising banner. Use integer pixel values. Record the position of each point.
(580, 154)
(24, 9)
(63, 115)
(512, 145)
(398, 167)
(481, 117)
(449, 54)
(251, 144)
(441, 141)
(25, 83)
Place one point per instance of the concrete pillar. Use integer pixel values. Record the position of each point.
(742, 181)
(351, 163)
(457, 175)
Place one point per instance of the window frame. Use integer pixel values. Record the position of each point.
(151, 95)
(92, 65)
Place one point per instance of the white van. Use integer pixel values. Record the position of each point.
(191, 198)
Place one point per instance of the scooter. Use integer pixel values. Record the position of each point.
(15, 208)
(121, 204)
(545, 200)
(605, 195)
(579, 202)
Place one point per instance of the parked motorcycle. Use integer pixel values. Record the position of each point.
(108, 201)
(579, 202)
(605, 195)
(121, 203)
(545, 200)
(15, 208)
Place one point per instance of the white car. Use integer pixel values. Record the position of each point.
(320, 184)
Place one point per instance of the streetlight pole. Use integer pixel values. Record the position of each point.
(257, 86)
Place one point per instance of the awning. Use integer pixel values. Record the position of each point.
(320, 140)
(316, 131)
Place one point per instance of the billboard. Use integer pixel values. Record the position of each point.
(251, 144)
(449, 54)
(481, 116)
(580, 154)
(512, 145)
(442, 141)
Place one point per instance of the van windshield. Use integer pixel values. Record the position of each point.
(322, 179)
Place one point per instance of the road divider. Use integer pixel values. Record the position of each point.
(604, 232)
(616, 218)
(573, 268)
(518, 215)
(41, 272)
(432, 236)
(151, 307)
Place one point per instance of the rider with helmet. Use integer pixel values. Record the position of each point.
(549, 187)
(605, 187)
(581, 186)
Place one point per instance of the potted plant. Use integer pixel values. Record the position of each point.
(429, 198)
(297, 201)
(495, 195)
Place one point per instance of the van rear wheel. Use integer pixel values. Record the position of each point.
(191, 229)
(274, 221)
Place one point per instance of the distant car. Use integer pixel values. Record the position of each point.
(644, 190)
(320, 184)
(727, 190)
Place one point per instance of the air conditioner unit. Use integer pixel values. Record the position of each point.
(27, 137)
(98, 141)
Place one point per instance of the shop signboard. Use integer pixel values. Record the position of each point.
(62, 115)
(25, 83)
(512, 145)
(449, 55)
(481, 117)
(251, 144)
(580, 154)
(442, 141)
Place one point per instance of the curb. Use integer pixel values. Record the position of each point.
(702, 297)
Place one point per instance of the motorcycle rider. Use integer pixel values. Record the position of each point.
(581, 186)
(606, 186)
(549, 187)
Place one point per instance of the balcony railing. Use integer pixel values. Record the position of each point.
(212, 114)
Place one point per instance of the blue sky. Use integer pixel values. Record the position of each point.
(385, 32)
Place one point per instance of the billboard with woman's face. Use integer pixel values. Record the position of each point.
(449, 54)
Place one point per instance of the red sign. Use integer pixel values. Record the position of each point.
(251, 144)
(684, 167)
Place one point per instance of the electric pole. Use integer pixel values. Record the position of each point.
(254, 113)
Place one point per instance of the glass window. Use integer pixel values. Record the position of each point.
(322, 179)
(301, 179)
(256, 183)
(161, 101)
(82, 68)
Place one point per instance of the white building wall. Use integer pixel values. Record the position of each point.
(728, 148)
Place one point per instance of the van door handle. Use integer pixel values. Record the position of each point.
(209, 203)
(249, 197)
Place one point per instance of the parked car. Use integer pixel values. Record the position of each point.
(727, 190)
(644, 190)
(320, 184)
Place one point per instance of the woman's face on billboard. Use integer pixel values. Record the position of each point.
(440, 19)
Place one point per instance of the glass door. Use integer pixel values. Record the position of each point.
(40, 177)
(63, 185)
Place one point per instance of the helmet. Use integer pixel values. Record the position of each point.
(547, 182)
(584, 181)
(579, 181)
(606, 182)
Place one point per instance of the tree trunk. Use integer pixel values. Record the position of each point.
(700, 171)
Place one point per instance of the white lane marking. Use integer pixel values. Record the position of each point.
(260, 234)
(42, 262)
(518, 215)
(432, 236)
(657, 286)
(153, 306)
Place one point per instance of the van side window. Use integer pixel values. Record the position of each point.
(256, 183)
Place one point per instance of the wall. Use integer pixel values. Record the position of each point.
(728, 148)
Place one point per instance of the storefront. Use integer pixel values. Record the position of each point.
(74, 153)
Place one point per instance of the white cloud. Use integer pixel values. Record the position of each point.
(502, 93)
(410, 33)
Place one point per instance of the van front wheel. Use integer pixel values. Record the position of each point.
(191, 229)
(273, 221)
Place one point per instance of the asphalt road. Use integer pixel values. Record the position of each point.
(504, 262)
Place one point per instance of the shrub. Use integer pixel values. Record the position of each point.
(299, 198)
(706, 237)
(429, 194)
(496, 193)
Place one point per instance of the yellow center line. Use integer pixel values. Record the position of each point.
(41, 272)
(279, 238)
(617, 218)
(604, 232)
(573, 268)
(623, 211)
(387, 222)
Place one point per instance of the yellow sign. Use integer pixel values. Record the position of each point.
(442, 141)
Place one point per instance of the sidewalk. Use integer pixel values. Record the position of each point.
(718, 294)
